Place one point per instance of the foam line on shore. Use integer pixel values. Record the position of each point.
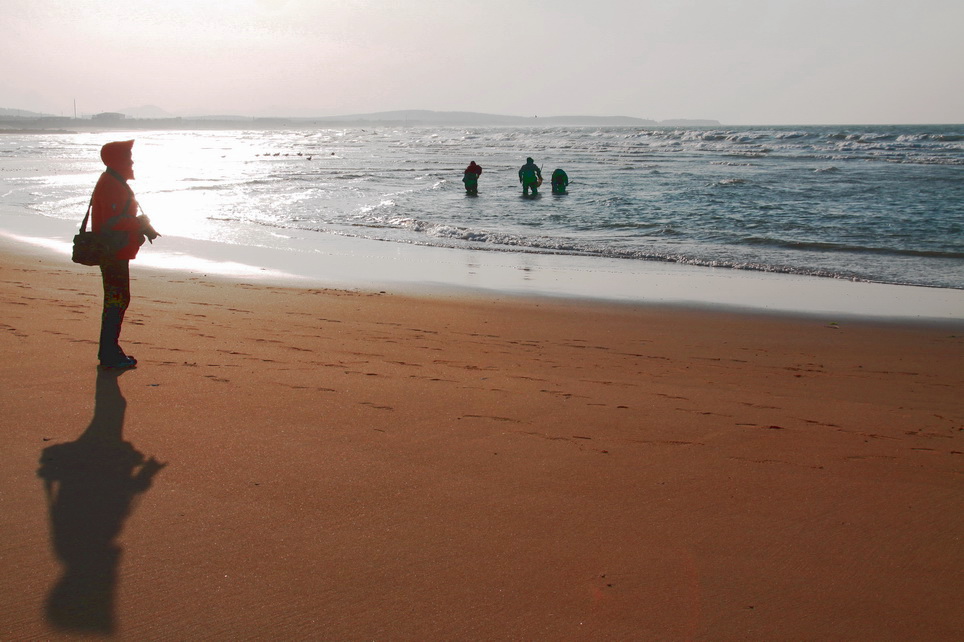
(329, 260)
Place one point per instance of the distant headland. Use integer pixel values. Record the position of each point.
(154, 118)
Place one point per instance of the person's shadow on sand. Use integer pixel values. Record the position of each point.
(91, 484)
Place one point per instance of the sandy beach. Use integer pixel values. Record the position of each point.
(304, 463)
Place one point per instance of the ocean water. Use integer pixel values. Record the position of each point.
(876, 204)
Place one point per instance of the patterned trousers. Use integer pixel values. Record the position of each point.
(117, 296)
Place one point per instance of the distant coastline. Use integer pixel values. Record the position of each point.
(20, 121)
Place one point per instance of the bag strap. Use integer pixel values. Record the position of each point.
(113, 173)
(109, 223)
(83, 225)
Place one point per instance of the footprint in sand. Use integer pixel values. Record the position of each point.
(376, 406)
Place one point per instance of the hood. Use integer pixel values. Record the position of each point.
(117, 156)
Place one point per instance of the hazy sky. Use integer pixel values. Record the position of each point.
(737, 61)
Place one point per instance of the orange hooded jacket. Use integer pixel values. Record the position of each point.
(111, 195)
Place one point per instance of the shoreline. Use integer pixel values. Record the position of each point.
(317, 259)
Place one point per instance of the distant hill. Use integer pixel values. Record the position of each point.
(145, 111)
(475, 119)
(689, 122)
(153, 117)
(20, 113)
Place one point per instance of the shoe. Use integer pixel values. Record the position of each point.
(122, 364)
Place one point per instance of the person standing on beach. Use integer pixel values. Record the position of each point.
(114, 209)
(531, 177)
(471, 178)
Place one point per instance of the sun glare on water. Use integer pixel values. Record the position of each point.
(189, 180)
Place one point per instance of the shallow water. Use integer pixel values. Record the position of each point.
(879, 204)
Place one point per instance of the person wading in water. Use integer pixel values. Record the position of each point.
(531, 177)
(471, 178)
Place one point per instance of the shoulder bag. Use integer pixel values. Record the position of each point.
(93, 248)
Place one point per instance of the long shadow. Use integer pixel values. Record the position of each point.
(91, 484)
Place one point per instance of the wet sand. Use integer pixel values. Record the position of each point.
(311, 259)
(335, 464)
